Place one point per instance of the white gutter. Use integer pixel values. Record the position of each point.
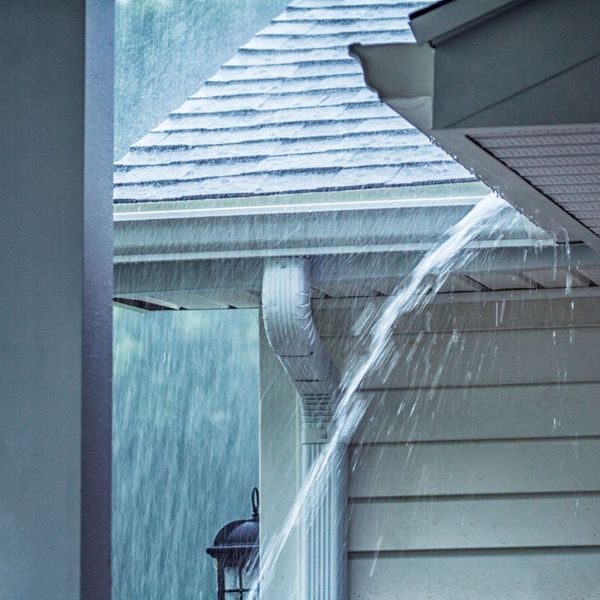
(291, 208)
(354, 227)
(291, 332)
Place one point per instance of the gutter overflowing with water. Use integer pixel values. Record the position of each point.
(490, 216)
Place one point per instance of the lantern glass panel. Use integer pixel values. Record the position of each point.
(249, 575)
(232, 579)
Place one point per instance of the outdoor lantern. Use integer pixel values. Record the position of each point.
(235, 550)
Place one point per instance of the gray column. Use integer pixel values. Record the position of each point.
(55, 316)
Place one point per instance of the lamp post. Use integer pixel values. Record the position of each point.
(235, 550)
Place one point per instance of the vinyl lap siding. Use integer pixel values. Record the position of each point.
(475, 474)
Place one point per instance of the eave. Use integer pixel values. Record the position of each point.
(511, 93)
(359, 246)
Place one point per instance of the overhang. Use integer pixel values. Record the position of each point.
(284, 152)
(360, 246)
(510, 90)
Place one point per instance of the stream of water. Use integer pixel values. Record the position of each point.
(374, 331)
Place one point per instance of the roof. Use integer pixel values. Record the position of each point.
(289, 114)
(285, 152)
(524, 117)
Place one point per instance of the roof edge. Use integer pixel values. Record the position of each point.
(307, 201)
(448, 17)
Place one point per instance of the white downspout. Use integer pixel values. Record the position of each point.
(291, 332)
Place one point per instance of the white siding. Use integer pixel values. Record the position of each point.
(466, 523)
(477, 467)
(482, 575)
(480, 413)
(476, 471)
(475, 358)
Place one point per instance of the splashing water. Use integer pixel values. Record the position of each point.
(376, 327)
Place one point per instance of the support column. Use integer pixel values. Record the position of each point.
(55, 317)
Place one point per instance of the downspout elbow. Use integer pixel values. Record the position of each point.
(293, 336)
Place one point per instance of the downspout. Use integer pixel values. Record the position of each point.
(292, 334)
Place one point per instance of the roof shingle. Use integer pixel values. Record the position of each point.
(289, 113)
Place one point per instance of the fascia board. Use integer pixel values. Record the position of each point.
(450, 17)
(568, 99)
(511, 54)
(246, 273)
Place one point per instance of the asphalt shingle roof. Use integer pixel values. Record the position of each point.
(289, 113)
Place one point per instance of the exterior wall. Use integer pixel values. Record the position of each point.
(279, 470)
(55, 244)
(475, 473)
